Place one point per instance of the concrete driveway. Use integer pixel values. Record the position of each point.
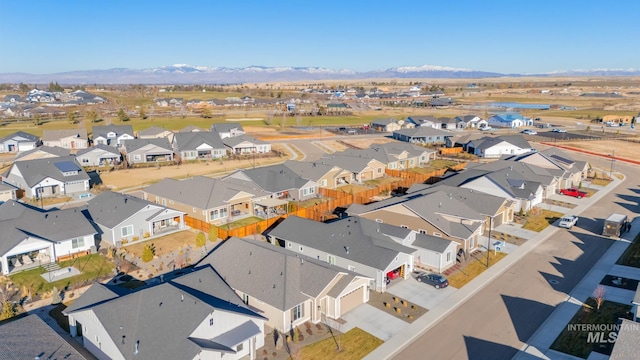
(418, 293)
(374, 321)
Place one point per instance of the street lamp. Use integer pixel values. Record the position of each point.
(613, 160)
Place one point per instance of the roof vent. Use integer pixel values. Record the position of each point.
(137, 347)
(346, 248)
(181, 297)
(274, 286)
(158, 305)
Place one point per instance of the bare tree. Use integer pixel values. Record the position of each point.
(598, 296)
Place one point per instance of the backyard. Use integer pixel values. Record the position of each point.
(164, 245)
(92, 267)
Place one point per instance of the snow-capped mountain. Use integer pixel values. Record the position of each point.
(190, 74)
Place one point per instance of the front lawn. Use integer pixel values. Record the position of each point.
(92, 267)
(355, 344)
(631, 256)
(475, 267)
(539, 220)
(574, 341)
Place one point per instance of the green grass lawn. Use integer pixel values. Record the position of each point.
(240, 223)
(540, 221)
(355, 344)
(92, 267)
(631, 256)
(574, 342)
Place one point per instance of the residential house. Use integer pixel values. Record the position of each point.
(495, 147)
(470, 121)
(173, 102)
(576, 170)
(279, 181)
(48, 177)
(99, 155)
(509, 120)
(198, 145)
(245, 144)
(139, 151)
(84, 98)
(29, 337)
(446, 123)
(422, 135)
(355, 244)
(627, 341)
(395, 155)
(207, 199)
(289, 288)
(424, 121)
(325, 175)
(390, 125)
(12, 98)
(113, 135)
(30, 237)
(155, 132)
(42, 152)
(620, 120)
(192, 316)
(515, 185)
(226, 130)
(441, 101)
(191, 128)
(124, 218)
(7, 192)
(437, 212)
(18, 141)
(433, 253)
(67, 139)
(361, 168)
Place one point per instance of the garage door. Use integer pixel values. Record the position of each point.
(74, 187)
(351, 300)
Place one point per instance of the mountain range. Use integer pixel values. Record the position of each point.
(189, 74)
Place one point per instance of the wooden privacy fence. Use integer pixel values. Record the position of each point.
(449, 151)
(325, 210)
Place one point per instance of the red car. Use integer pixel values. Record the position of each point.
(573, 192)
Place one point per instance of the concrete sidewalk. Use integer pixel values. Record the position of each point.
(419, 327)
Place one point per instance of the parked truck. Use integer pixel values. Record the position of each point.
(615, 225)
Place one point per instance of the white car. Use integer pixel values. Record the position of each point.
(529, 132)
(486, 128)
(568, 222)
(559, 130)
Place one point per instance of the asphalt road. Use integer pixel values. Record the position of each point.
(497, 321)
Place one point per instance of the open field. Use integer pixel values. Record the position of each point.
(624, 149)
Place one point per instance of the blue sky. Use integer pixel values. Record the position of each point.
(42, 37)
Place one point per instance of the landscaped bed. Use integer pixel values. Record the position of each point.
(475, 267)
(575, 341)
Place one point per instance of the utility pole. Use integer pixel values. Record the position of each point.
(613, 160)
(489, 240)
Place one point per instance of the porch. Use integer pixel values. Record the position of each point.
(158, 157)
(270, 207)
(165, 226)
(25, 261)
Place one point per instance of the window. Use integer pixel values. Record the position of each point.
(245, 299)
(211, 322)
(448, 256)
(404, 226)
(77, 242)
(379, 170)
(297, 312)
(331, 259)
(323, 182)
(239, 347)
(137, 157)
(127, 230)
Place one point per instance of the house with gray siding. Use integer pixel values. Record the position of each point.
(18, 141)
(193, 316)
(112, 135)
(147, 150)
(125, 218)
(198, 145)
(278, 180)
(99, 155)
(245, 144)
(30, 237)
(289, 288)
(48, 177)
(395, 155)
(355, 244)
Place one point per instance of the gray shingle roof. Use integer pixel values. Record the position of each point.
(354, 164)
(162, 317)
(383, 122)
(20, 136)
(192, 140)
(387, 152)
(203, 192)
(272, 178)
(29, 337)
(110, 208)
(423, 131)
(117, 129)
(488, 141)
(53, 150)
(102, 147)
(152, 131)
(627, 345)
(19, 221)
(365, 239)
(34, 171)
(432, 243)
(225, 127)
(235, 140)
(309, 170)
(52, 135)
(271, 274)
(135, 144)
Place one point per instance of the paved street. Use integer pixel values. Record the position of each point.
(497, 320)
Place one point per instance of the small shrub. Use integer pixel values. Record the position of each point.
(201, 240)
(146, 235)
(147, 253)
(213, 233)
(135, 238)
(124, 241)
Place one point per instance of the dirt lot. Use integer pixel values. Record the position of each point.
(623, 149)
